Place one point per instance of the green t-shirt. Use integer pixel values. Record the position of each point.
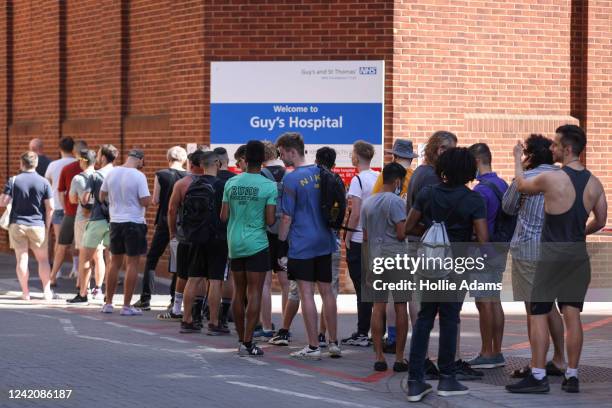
(247, 195)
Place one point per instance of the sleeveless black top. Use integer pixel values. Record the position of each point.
(166, 179)
(571, 225)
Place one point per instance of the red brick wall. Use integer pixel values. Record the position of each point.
(136, 73)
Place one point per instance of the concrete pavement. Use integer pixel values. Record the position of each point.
(115, 361)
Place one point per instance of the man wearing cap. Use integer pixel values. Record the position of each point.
(126, 190)
(76, 195)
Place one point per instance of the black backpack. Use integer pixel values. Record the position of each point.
(333, 198)
(504, 223)
(197, 220)
(273, 229)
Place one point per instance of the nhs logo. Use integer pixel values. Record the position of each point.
(367, 70)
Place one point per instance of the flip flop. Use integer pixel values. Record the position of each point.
(521, 372)
(552, 369)
(380, 366)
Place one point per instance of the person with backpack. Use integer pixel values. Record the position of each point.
(77, 195)
(128, 196)
(500, 227)
(162, 189)
(249, 204)
(273, 170)
(312, 205)
(459, 211)
(200, 225)
(96, 235)
(360, 188)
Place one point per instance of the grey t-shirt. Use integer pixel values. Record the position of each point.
(423, 176)
(79, 186)
(379, 215)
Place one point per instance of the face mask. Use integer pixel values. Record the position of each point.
(398, 190)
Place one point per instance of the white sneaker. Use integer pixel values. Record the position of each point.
(130, 311)
(334, 350)
(107, 308)
(307, 353)
(97, 293)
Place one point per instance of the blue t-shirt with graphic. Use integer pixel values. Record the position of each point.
(309, 235)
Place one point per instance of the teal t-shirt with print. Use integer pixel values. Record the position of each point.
(247, 195)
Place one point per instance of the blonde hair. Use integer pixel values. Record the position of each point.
(176, 154)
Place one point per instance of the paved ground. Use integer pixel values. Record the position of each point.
(115, 361)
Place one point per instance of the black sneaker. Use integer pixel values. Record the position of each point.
(142, 304)
(529, 385)
(190, 328)
(282, 338)
(357, 339)
(464, 372)
(449, 386)
(417, 390)
(431, 370)
(571, 385)
(216, 330)
(78, 300)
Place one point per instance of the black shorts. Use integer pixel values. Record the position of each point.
(183, 260)
(318, 269)
(274, 244)
(128, 238)
(208, 261)
(259, 262)
(560, 279)
(66, 234)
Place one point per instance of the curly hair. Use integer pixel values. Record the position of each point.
(435, 141)
(456, 166)
(537, 151)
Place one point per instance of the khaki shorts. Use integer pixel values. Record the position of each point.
(79, 231)
(523, 274)
(96, 235)
(26, 236)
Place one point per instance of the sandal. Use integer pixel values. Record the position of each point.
(552, 369)
(521, 372)
(380, 366)
(400, 366)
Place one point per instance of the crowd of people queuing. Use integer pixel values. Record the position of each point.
(229, 234)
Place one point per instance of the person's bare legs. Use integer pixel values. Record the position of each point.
(401, 331)
(309, 311)
(291, 310)
(111, 278)
(240, 287)
(23, 273)
(485, 319)
(193, 288)
(571, 317)
(56, 231)
(255, 283)
(131, 276)
(539, 340)
(98, 257)
(283, 281)
(322, 324)
(44, 270)
(85, 256)
(390, 315)
(378, 329)
(214, 300)
(499, 320)
(266, 302)
(329, 309)
(58, 260)
(555, 326)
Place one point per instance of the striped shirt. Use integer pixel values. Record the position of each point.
(525, 243)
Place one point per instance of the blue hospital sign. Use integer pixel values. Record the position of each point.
(331, 103)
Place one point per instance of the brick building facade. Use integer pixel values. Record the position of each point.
(136, 73)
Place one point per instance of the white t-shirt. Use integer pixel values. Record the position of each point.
(362, 190)
(125, 187)
(53, 173)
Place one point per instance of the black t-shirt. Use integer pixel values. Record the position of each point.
(29, 191)
(225, 175)
(277, 171)
(166, 178)
(436, 202)
(423, 176)
(43, 163)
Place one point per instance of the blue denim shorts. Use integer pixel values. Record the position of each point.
(57, 217)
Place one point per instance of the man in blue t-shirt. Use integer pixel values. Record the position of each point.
(311, 243)
(31, 198)
(488, 303)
